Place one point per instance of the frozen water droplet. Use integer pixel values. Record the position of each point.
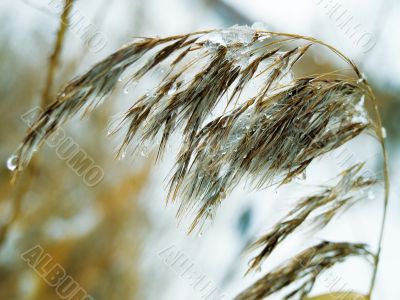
(172, 90)
(262, 38)
(244, 156)
(362, 79)
(200, 234)
(214, 40)
(126, 91)
(119, 79)
(361, 117)
(362, 101)
(12, 163)
(371, 195)
(122, 155)
(384, 133)
(301, 177)
(227, 37)
(144, 152)
(244, 34)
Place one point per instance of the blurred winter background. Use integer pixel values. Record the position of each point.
(116, 239)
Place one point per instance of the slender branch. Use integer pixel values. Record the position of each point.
(24, 185)
(55, 56)
(387, 190)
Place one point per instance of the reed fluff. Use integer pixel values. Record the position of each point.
(243, 115)
(303, 270)
(350, 188)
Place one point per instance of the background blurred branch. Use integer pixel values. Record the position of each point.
(54, 59)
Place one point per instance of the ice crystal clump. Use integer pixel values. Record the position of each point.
(384, 134)
(362, 116)
(234, 35)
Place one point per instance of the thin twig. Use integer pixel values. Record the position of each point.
(387, 190)
(24, 185)
(55, 56)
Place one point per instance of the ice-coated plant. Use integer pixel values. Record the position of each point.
(243, 114)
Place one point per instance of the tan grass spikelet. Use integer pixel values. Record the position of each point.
(269, 137)
(303, 270)
(318, 209)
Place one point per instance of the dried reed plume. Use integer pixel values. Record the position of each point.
(267, 135)
(303, 270)
(324, 205)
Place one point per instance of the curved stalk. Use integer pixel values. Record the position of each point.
(55, 56)
(381, 138)
(386, 192)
